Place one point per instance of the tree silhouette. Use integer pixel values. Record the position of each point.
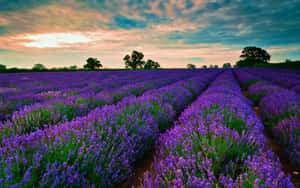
(150, 64)
(135, 60)
(191, 66)
(252, 55)
(288, 61)
(213, 66)
(226, 65)
(204, 67)
(73, 67)
(2, 67)
(38, 67)
(92, 63)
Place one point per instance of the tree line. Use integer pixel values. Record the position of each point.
(251, 56)
(133, 61)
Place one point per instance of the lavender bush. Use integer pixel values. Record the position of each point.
(97, 150)
(280, 109)
(217, 142)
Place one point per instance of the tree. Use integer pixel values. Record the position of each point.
(204, 67)
(245, 63)
(73, 67)
(39, 67)
(226, 65)
(150, 64)
(191, 66)
(135, 60)
(92, 63)
(2, 67)
(213, 66)
(288, 61)
(252, 55)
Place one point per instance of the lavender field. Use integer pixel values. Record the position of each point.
(156, 128)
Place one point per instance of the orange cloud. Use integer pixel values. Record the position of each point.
(57, 17)
(74, 39)
(111, 46)
(281, 49)
(177, 25)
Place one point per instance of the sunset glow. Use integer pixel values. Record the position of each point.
(150, 93)
(54, 40)
(173, 32)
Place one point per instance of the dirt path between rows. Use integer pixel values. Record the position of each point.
(278, 150)
(143, 165)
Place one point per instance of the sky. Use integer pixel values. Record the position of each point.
(60, 33)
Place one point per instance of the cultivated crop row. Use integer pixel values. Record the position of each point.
(217, 142)
(99, 149)
(288, 79)
(13, 99)
(280, 110)
(52, 112)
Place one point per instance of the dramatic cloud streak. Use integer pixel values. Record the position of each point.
(174, 32)
(55, 40)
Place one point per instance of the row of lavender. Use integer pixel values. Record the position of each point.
(52, 112)
(81, 97)
(287, 78)
(64, 85)
(100, 149)
(280, 109)
(39, 85)
(60, 110)
(217, 142)
(20, 83)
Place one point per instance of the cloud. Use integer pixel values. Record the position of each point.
(126, 23)
(3, 50)
(177, 25)
(174, 32)
(254, 22)
(55, 17)
(9, 5)
(282, 52)
(194, 59)
(282, 49)
(75, 40)
(3, 30)
(112, 46)
(258, 23)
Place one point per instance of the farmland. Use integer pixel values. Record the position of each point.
(183, 128)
